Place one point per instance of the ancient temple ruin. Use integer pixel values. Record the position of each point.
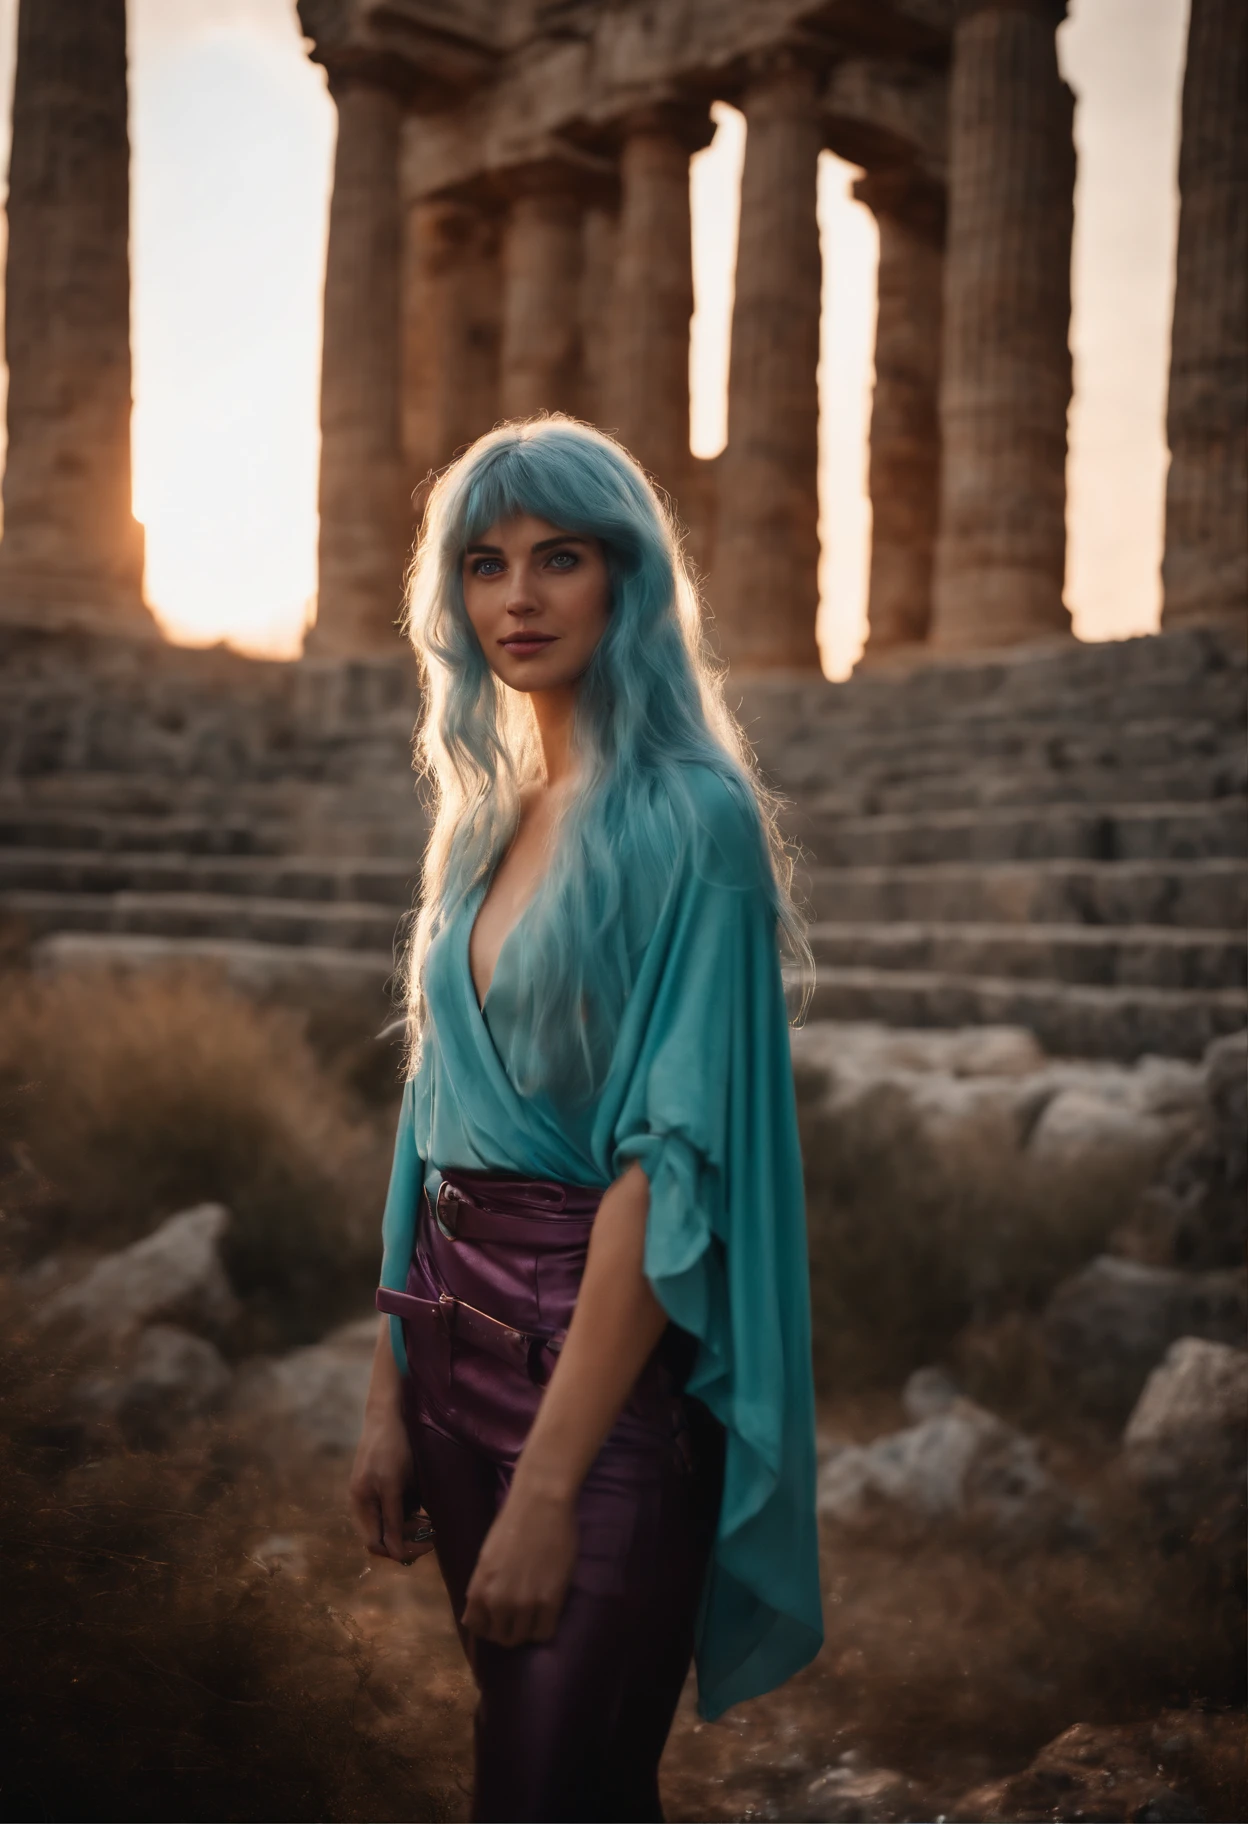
(511, 233)
(1053, 837)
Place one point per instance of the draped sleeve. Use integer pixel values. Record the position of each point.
(707, 1107)
(398, 1221)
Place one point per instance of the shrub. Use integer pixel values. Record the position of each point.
(149, 1667)
(125, 1097)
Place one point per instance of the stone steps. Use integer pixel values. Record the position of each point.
(307, 968)
(1112, 832)
(1209, 894)
(1088, 738)
(1105, 956)
(1193, 672)
(862, 793)
(278, 877)
(1054, 838)
(353, 821)
(339, 925)
(33, 831)
(1066, 1018)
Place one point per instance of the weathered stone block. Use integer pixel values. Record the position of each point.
(1107, 1327)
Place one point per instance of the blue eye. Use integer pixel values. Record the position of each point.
(487, 566)
(564, 560)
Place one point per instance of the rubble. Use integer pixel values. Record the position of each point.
(1186, 1442)
(312, 1398)
(170, 1378)
(961, 1463)
(173, 1276)
(1108, 1326)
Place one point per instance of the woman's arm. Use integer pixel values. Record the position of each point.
(382, 1472)
(522, 1574)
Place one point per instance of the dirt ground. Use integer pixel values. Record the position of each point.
(944, 1664)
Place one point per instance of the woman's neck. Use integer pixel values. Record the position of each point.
(555, 712)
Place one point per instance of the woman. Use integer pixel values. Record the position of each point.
(595, 1381)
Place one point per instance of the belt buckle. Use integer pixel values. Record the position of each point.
(447, 1208)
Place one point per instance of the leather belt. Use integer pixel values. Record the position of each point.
(493, 1210)
(520, 1348)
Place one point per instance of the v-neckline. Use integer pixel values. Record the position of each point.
(482, 1002)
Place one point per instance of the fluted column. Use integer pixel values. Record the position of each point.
(364, 505)
(600, 232)
(648, 377)
(541, 330)
(1205, 570)
(1006, 372)
(72, 552)
(450, 317)
(765, 583)
(904, 473)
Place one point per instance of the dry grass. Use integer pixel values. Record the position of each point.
(126, 1097)
(954, 1665)
(151, 1667)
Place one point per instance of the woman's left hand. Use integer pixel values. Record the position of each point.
(518, 1588)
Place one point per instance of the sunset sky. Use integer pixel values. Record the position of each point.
(232, 134)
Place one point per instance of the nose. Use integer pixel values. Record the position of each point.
(521, 600)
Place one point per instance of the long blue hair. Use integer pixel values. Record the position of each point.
(649, 705)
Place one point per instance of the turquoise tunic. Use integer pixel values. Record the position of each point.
(700, 1091)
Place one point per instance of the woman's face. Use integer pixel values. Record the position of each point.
(538, 599)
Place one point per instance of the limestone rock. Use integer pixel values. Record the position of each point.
(1092, 1773)
(1109, 1325)
(1082, 1128)
(962, 1463)
(1196, 1215)
(853, 1794)
(172, 1276)
(927, 1392)
(1187, 1440)
(974, 1092)
(312, 1398)
(282, 1553)
(171, 1377)
(866, 1048)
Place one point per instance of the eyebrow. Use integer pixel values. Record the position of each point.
(545, 544)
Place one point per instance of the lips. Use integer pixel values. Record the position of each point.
(522, 643)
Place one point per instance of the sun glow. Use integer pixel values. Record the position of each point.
(233, 138)
(850, 249)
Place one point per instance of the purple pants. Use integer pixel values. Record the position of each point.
(573, 1727)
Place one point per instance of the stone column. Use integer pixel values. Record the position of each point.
(904, 474)
(647, 399)
(541, 332)
(599, 241)
(1205, 570)
(450, 316)
(364, 504)
(72, 552)
(765, 581)
(1006, 374)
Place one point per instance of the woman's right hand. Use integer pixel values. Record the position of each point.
(383, 1473)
